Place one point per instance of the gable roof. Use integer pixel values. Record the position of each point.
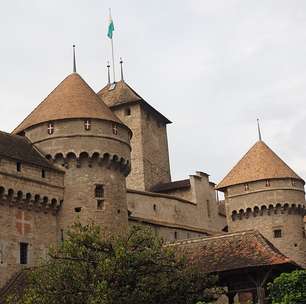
(232, 251)
(72, 98)
(120, 93)
(19, 148)
(259, 163)
(164, 187)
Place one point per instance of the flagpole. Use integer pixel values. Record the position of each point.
(112, 46)
(113, 59)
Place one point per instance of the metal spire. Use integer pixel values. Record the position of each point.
(259, 132)
(74, 60)
(108, 73)
(121, 67)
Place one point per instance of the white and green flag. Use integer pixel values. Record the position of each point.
(111, 28)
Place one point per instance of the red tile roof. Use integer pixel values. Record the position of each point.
(72, 98)
(259, 163)
(231, 251)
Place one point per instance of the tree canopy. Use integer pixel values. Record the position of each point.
(289, 288)
(131, 269)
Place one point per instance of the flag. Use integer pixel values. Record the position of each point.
(111, 28)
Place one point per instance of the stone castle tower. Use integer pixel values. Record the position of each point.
(263, 193)
(77, 132)
(150, 156)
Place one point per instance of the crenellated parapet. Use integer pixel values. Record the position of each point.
(95, 159)
(29, 201)
(268, 210)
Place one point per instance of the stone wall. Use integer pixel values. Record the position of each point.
(36, 228)
(150, 156)
(93, 158)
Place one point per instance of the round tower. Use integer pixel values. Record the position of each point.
(75, 130)
(263, 193)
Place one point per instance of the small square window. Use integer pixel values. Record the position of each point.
(23, 253)
(18, 166)
(277, 233)
(127, 111)
(78, 209)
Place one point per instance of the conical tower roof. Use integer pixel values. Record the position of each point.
(120, 93)
(259, 163)
(72, 98)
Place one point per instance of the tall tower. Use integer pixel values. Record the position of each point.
(150, 155)
(77, 131)
(263, 193)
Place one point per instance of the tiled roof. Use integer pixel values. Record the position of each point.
(231, 251)
(121, 93)
(259, 163)
(181, 184)
(72, 98)
(19, 148)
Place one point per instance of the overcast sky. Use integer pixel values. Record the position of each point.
(210, 66)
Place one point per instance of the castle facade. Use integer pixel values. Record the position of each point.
(103, 157)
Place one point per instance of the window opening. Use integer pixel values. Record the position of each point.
(24, 253)
(99, 191)
(267, 183)
(100, 204)
(43, 173)
(87, 124)
(78, 209)
(115, 129)
(246, 187)
(277, 233)
(50, 128)
(18, 166)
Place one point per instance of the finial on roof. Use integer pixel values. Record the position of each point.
(259, 132)
(108, 73)
(74, 60)
(121, 67)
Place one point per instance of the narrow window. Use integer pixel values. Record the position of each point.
(100, 204)
(246, 187)
(99, 191)
(23, 253)
(43, 173)
(87, 124)
(115, 129)
(208, 208)
(175, 235)
(50, 128)
(267, 183)
(293, 182)
(154, 207)
(62, 235)
(277, 233)
(127, 111)
(18, 166)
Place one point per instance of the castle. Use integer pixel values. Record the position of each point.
(103, 157)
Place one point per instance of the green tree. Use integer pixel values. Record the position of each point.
(289, 288)
(136, 268)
